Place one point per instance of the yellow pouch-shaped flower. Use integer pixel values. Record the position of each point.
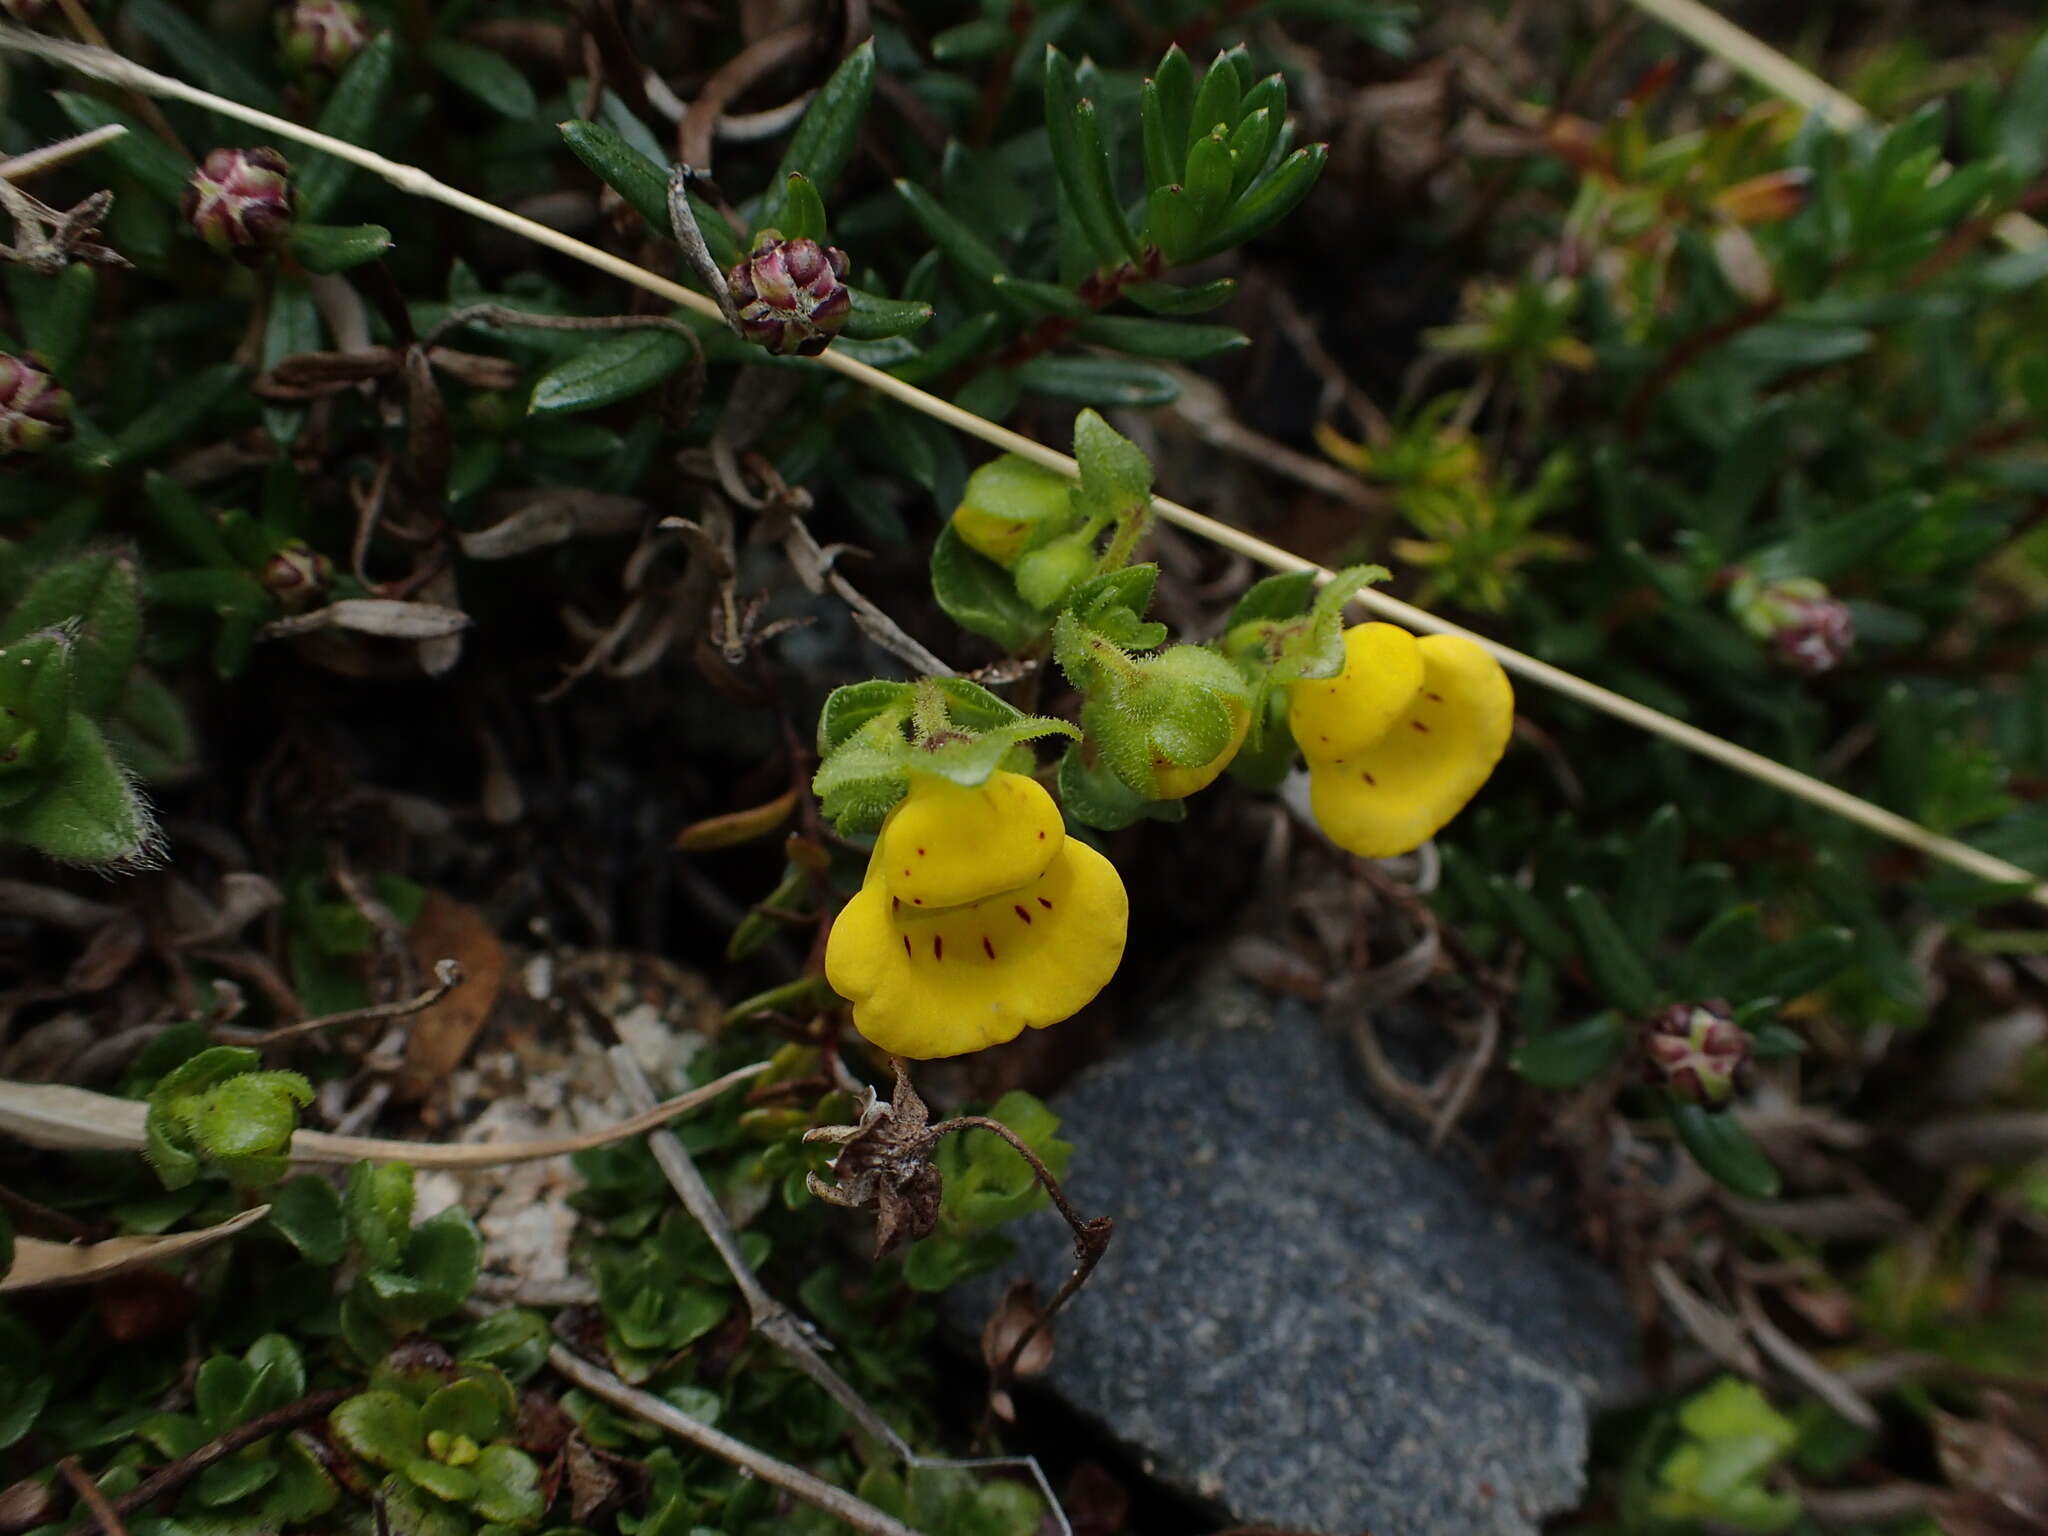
(942, 984)
(1394, 794)
(1335, 717)
(946, 844)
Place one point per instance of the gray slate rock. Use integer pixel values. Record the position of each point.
(1306, 1318)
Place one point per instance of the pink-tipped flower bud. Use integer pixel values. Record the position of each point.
(792, 294)
(298, 576)
(35, 410)
(1809, 628)
(320, 35)
(241, 201)
(1694, 1050)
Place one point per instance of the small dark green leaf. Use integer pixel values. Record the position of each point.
(198, 54)
(1649, 883)
(1173, 82)
(1169, 339)
(351, 115)
(1723, 1149)
(1576, 1054)
(615, 369)
(824, 140)
(873, 317)
(803, 211)
(974, 256)
(2022, 136)
(1098, 381)
(1167, 299)
(1545, 934)
(644, 185)
(1799, 965)
(486, 74)
(170, 418)
(325, 248)
(139, 152)
(1616, 965)
(55, 310)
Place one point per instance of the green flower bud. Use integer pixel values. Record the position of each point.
(1006, 502)
(320, 36)
(241, 201)
(791, 294)
(1048, 573)
(35, 410)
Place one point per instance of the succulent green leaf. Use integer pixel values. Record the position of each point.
(1268, 201)
(221, 1390)
(1170, 299)
(325, 248)
(381, 1427)
(1208, 179)
(1082, 164)
(1173, 85)
(515, 1340)
(481, 1405)
(1216, 100)
(378, 1208)
(150, 732)
(615, 369)
(307, 1211)
(510, 1487)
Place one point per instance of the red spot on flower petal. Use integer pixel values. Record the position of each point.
(1045, 904)
(987, 948)
(1375, 783)
(1022, 913)
(1437, 697)
(938, 946)
(920, 854)
(906, 948)
(1041, 837)
(1417, 725)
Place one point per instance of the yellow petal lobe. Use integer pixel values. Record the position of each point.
(924, 986)
(1395, 794)
(1337, 716)
(1170, 781)
(946, 844)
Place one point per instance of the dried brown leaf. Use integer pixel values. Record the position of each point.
(441, 1033)
(39, 1265)
(388, 617)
